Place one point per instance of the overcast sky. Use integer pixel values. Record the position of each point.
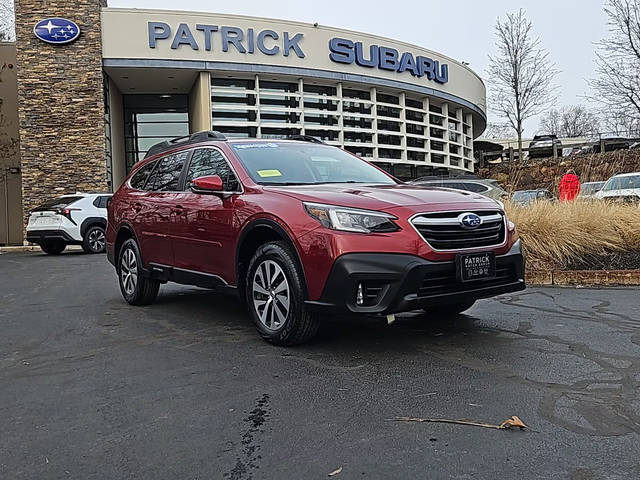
(461, 29)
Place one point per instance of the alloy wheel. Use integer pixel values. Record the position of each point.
(96, 240)
(129, 271)
(271, 294)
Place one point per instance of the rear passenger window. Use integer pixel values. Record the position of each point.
(101, 202)
(140, 177)
(208, 161)
(167, 175)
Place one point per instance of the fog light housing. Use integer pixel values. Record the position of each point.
(359, 295)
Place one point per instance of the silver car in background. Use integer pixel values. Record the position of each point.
(469, 183)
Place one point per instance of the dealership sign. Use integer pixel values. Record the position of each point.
(56, 30)
(272, 42)
(386, 58)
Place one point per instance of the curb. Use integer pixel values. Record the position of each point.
(568, 278)
(33, 248)
(20, 248)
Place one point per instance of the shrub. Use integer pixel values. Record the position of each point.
(555, 235)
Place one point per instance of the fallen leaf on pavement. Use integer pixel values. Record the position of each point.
(513, 422)
(335, 472)
(507, 424)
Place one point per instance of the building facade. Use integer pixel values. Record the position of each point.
(90, 108)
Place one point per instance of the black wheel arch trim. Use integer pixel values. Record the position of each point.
(112, 255)
(280, 230)
(89, 222)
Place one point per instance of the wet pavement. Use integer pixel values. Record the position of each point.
(91, 387)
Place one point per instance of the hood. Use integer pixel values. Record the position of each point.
(384, 197)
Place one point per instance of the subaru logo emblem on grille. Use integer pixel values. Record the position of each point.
(469, 221)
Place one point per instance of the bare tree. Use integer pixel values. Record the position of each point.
(618, 122)
(498, 131)
(7, 21)
(569, 121)
(521, 74)
(616, 86)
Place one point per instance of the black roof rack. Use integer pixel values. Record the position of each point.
(305, 138)
(197, 137)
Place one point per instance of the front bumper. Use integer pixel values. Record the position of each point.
(394, 283)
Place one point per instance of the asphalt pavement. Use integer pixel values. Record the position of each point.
(92, 388)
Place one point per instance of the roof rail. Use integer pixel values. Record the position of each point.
(305, 138)
(197, 137)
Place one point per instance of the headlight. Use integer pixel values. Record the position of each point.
(501, 204)
(351, 219)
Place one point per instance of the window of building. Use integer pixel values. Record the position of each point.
(150, 119)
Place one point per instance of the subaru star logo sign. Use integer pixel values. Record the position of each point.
(470, 220)
(56, 30)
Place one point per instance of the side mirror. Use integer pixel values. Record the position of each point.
(209, 184)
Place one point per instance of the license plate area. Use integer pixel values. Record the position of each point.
(475, 266)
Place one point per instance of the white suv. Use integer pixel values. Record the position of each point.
(624, 187)
(79, 219)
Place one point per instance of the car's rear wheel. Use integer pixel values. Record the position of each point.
(135, 287)
(53, 247)
(94, 240)
(275, 296)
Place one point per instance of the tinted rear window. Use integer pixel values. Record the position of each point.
(57, 203)
(140, 177)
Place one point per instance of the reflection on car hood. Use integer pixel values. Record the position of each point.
(382, 197)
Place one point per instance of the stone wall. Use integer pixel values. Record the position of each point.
(546, 173)
(60, 102)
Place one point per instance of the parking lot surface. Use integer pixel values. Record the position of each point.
(91, 387)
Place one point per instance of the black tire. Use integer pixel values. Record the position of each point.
(288, 326)
(53, 247)
(134, 286)
(94, 240)
(452, 309)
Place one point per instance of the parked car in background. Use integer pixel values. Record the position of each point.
(469, 183)
(297, 228)
(542, 146)
(624, 187)
(589, 189)
(527, 197)
(611, 144)
(78, 219)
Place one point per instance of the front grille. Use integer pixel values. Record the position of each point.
(445, 281)
(443, 231)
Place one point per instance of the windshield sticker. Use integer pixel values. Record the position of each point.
(269, 173)
(255, 145)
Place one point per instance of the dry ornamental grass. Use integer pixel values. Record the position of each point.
(557, 235)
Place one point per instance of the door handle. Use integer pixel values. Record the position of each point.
(137, 206)
(177, 209)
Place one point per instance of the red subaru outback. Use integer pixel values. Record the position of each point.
(298, 228)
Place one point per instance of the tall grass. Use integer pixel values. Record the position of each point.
(557, 234)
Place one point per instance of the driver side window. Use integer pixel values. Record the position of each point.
(208, 161)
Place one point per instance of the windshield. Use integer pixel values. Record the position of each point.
(622, 183)
(526, 195)
(287, 163)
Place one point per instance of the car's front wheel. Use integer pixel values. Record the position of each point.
(275, 296)
(53, 247)
(135, 287)
(94, 240)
